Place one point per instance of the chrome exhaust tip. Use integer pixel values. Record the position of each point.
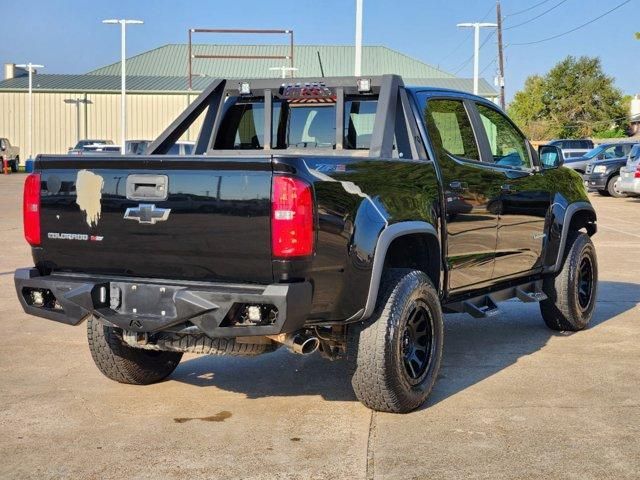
(297, 342)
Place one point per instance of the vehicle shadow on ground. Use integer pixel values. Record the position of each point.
(474, 351)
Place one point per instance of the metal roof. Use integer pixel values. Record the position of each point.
(164, 69)
(150, 84)
(337, 60)
(102, 83)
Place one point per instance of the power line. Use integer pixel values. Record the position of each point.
(464, 40)
(492, 62)
(527, 9)
(576, 28)
(537, 16)
(470, 59)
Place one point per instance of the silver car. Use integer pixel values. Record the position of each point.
(606, 151)
(630, 173)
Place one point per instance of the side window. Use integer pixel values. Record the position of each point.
(508, 145)
(450, 129)
(611, 152)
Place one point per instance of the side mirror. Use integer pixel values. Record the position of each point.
(550, 156)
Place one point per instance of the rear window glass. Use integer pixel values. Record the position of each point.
(174, 150)
(242, 127)
(308, 126)
(581, 144)
(359, 118)
(304, 125)
(188, 149)
(294, 126)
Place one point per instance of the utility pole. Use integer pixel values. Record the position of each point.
(503, 102)
(123, 22)
(358, 59)
(476, 57)
(31, 68)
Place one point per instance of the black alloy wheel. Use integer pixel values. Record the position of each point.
(417, 343)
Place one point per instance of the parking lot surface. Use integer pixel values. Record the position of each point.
(514, 399)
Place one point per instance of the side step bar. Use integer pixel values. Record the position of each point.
(485, 306)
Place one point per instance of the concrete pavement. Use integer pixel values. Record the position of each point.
(514, 399)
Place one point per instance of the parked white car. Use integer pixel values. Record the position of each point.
(630, 173)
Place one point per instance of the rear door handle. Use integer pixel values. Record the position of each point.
(143, 187)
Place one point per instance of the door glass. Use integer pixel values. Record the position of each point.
(508, 146)
(450, 129)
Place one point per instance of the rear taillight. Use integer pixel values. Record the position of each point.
(291, 218)
(637, 174)
(31, 209)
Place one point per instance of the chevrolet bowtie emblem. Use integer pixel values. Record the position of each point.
(147, 213)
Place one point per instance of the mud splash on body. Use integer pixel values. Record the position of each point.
(88, 195)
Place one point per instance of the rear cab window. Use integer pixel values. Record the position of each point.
(329, 119)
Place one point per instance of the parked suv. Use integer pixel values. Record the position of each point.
(603, 175)
(10, 153)
(573, 148)
(606, 151)
(311, 215)
(630, 173)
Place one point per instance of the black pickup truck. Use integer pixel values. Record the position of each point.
(344, 215)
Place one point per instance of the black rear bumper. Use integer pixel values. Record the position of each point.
(151, 305)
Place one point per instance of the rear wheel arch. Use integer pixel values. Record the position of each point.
(413, 245)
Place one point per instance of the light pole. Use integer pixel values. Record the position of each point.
(77, 102)
(30, 68)
(358, 60)
(476, 56)
(123, 81)
(284, 70)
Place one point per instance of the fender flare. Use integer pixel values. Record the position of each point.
(386, 237)
(566, 222)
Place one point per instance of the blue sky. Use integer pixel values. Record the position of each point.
(67, 36)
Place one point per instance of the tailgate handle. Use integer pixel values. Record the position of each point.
(147, 187)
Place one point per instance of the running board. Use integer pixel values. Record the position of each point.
(485, 306)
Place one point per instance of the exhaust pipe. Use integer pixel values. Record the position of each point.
(297, 342)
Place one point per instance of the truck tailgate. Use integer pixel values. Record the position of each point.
(211, 223)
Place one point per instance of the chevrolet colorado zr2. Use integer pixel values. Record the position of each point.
(344, 215)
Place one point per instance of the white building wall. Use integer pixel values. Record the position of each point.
(55, 123)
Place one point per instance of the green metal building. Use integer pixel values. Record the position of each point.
(158, 88)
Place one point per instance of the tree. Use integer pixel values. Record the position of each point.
(575, 99)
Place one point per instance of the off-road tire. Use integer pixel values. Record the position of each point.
(14, 165)
(125, 364)
(376, 347)
(565, 309)
(611, 187)
(604, 193)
